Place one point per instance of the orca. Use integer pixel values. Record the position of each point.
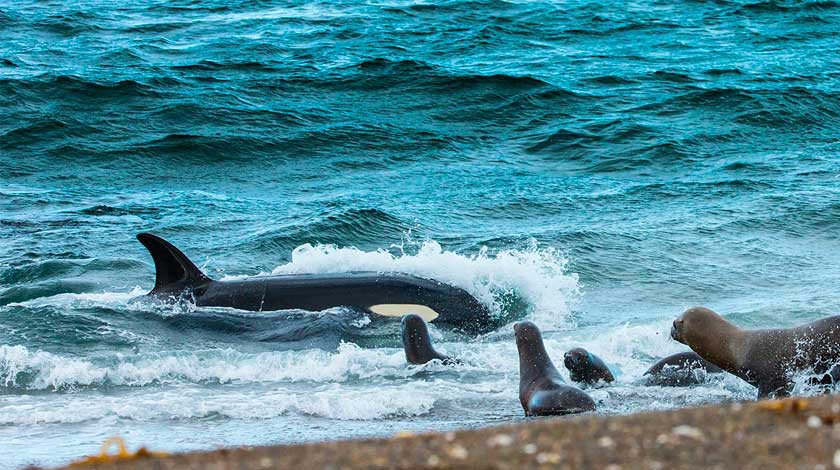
(384, 294)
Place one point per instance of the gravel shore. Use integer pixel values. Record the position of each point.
(791, 433)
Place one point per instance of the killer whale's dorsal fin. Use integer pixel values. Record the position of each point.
(173, 270)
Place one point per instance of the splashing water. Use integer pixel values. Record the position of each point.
(593, 169)
(537, 276)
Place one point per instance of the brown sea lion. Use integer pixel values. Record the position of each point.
(417, 344)
(586, 368)
(764, 358)
(680, 370)
(541, 388)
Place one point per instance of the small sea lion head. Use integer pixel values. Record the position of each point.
(526, 333)
(414, 330)
(694, 325)
(412, 322)
(577, 358)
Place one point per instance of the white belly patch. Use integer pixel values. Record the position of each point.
(401, 310)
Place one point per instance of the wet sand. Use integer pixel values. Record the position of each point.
(790, 433)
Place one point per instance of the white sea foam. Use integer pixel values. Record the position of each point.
(42, 370)
(339, 403)
(48, 371)
(629, 350)
(192, 402)
(85, 300)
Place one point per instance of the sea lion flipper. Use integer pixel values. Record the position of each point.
(173, 270)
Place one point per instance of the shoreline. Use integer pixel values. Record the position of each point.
(789, 433)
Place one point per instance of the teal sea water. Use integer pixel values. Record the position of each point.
(595, 167)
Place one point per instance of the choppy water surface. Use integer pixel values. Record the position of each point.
(593, 166)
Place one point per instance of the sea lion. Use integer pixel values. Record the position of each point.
(764, 358)
(417, 343)
(680, 370)
(541, 388)
(586, 368)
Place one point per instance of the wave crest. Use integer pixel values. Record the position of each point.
(536, 275)
(21, 368)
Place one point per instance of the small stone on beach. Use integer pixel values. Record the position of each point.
(606, 441)
(545, 457)
(458, 452)
(689, 431)
(500, 440)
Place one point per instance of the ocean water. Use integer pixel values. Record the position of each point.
(595, 167)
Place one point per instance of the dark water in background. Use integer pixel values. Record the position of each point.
(594, 166)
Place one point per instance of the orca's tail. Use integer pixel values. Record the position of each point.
(174, 271)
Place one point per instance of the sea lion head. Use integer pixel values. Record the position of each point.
(577, 359)
(697, 325)
(527, 334)
(710, 336)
